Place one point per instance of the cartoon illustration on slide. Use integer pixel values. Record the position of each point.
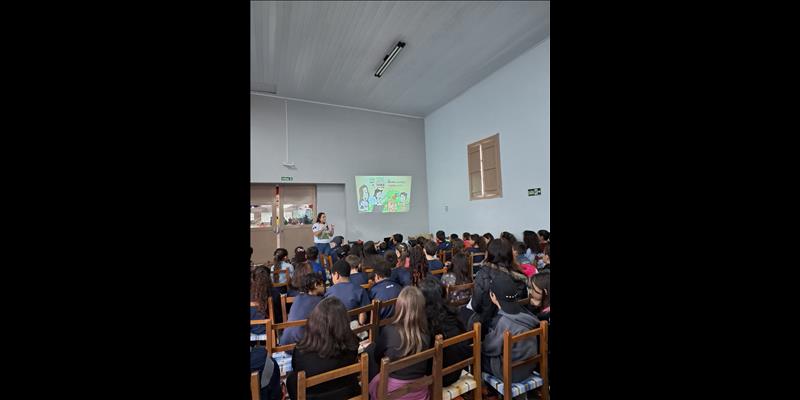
(383, 194)
(377, 201)
(363, 202)
(403, 202)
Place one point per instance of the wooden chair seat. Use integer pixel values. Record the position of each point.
(536, 380)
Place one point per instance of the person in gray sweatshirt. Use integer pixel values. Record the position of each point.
(510, 317)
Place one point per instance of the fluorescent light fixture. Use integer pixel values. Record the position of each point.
(389, 58)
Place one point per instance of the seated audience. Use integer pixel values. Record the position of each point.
(500, 263)
(351, 295)
(268, 373)
(384, 288)
(313, 258)
(467, 238)
(419, 264)
(403, 259)
(533, 246)
(310, 294)
(281, 262)
(299, 255)
(400, 275)
(539, 286)
(408, 334)
(296, 283)
(433, 262)
(443, 320)
(512, 317)
(441, 241)
(328, 344)
(458, 275)
(260, 290)
(356, 276)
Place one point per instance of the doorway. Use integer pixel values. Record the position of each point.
(281, 215)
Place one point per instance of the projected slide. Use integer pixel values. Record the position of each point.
(383, 194)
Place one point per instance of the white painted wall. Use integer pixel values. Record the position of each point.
(331, 145)
(514, 101)
(332, 200)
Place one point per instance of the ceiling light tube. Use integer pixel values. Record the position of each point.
(389, 58)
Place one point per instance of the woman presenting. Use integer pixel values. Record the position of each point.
(322, 234)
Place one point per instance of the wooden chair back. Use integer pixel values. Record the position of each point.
(264, 322)
(459, 288)
(276, 275)
(284, 301)
(361, 368)
(255, 386)
(540, 358)
(445, 255)
(381, 305)
(434, 381)
(274, 333)
(474, 360)
(372, 325)
(471, 261)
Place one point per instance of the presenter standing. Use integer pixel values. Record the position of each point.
(322, 234)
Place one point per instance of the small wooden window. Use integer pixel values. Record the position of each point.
(483, 165)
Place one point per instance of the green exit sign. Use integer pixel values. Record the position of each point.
(286, 179)
(535, 192)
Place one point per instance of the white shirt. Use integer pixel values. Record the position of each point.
(325, 236)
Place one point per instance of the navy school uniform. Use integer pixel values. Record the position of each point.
(301, 309)
(478, 258)
(258, 360)
(359, 278)
(386, 289)
(352, 295)
(434, 265)
(259, 329)
(401, 275)
(317, 267)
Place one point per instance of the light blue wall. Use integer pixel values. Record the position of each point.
(514, 101)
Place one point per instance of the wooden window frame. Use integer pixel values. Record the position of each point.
(494, 140)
